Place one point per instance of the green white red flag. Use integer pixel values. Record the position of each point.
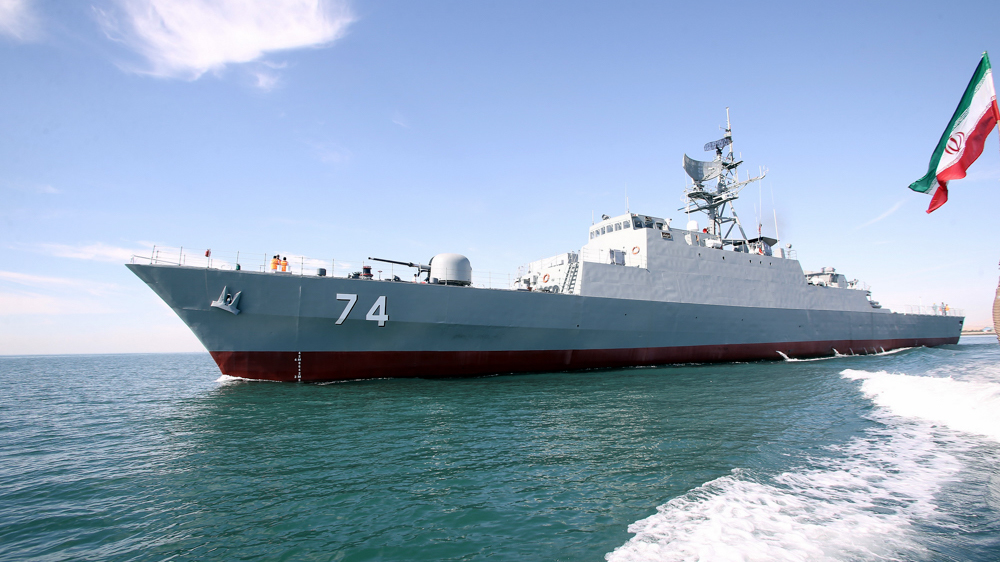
(962, 142)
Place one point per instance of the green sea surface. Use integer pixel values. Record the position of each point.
(157, 457)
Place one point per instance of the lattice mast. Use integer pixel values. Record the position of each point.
(716, 201)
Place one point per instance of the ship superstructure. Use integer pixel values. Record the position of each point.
(714, 264)
(639, 292)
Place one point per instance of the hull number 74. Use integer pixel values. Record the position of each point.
(377, 313)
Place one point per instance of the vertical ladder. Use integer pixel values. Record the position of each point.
(569, 283)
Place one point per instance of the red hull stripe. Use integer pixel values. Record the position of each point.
(318, 366)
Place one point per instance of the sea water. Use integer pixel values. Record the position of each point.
(157, 457)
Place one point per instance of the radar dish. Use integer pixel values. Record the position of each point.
(701, 171)
(719, 144)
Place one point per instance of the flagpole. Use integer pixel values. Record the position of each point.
(996, 113)
(996, 110)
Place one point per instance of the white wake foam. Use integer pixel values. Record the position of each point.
(875, 351)
(963, 405)
(856, 504)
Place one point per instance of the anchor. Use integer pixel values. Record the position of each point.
(227, 301)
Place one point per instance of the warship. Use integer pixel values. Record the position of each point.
(639, 292)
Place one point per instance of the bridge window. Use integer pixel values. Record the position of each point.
(618, 226)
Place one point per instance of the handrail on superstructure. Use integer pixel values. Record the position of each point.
(933, 310)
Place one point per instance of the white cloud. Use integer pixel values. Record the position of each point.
(983, 172)
(265, 80)
(94, 252)
(52, 295)
(331, 153)
(38, 281)
(186, 38)
(43, 189)
(17, 20)
(16, 304)
(891, 210)
(28, 294)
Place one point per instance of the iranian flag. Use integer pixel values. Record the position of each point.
(962, 142)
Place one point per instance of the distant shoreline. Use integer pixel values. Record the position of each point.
(977, 333)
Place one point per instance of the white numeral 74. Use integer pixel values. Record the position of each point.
(378, 312)
(353, 299)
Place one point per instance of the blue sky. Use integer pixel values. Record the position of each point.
(492, 129)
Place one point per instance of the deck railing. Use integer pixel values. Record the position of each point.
(302, 265)
(933, 310)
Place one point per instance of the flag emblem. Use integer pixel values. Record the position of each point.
(955, 143)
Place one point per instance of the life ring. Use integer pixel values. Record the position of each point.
(545, 278)
(635, 250)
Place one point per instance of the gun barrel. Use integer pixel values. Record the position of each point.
(406, 263)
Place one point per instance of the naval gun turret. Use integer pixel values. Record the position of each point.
(444, 269)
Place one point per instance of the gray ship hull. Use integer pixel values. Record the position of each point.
(294, 328)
